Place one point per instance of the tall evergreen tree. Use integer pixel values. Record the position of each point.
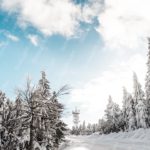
(147, 83)
(84, 127)
(58, 125)
(131, 113)
(138, 95)
(53, 128)
(125, 108)
(44, 86)
(112, 113)
(43, 130)
(141, 114)
(2, 101)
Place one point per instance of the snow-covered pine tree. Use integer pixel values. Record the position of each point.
(9, 126)
(141, 114)
(109, 115)
(73, 130)
(147, 83)
(131, 113)
(43, 130)
(58, 125)
(43, 115)
(137, 90)
(108, 111)
(112, 114)
(102, 126)
(89, 128)
(19, 112)
(2, 131)
(43, 86)
(84, 128)
(116, 117)
(139, 104)
(94, 127)
(51, 129)
(80, 129)
(29, 99)
(2, 101)
(125, 108)
(99, 125)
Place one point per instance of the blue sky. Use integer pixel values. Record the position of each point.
(92, 45)
(62, 58)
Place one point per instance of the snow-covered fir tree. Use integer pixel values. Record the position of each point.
(138, 93)
(147, 83)
(101, 126)
(141, 112)
(116, 116)
(60, 126)
(2, 101)
(112, 114)
(89, 128)
(125, 107)
(43, 131)
(83, 126)
(44, 86)
(131, 121)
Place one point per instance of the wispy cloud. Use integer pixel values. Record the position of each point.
(33, 39)
(12, 37)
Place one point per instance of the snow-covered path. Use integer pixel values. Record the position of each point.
(108, 142)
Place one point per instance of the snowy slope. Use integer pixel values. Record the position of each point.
(134, 140)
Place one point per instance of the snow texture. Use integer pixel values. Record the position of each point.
(133, 140)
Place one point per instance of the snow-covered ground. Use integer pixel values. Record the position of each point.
(134, 140)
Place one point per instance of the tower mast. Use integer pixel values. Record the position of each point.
(76, 121)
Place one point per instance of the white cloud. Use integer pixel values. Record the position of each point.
(33, 39)
(12, 37)
(53, 16)
(91, 99)
(91, 10)
(125, 23)
(48, 16)
(122, 23)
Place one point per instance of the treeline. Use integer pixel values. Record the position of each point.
(134, 114)
(33, 120)
(86, 129)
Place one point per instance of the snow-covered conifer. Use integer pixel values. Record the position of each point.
(147, 83)
(131, 113)
(125, 107)
(138, 93)
(141, 114)
(139, 104)
(112, 114)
